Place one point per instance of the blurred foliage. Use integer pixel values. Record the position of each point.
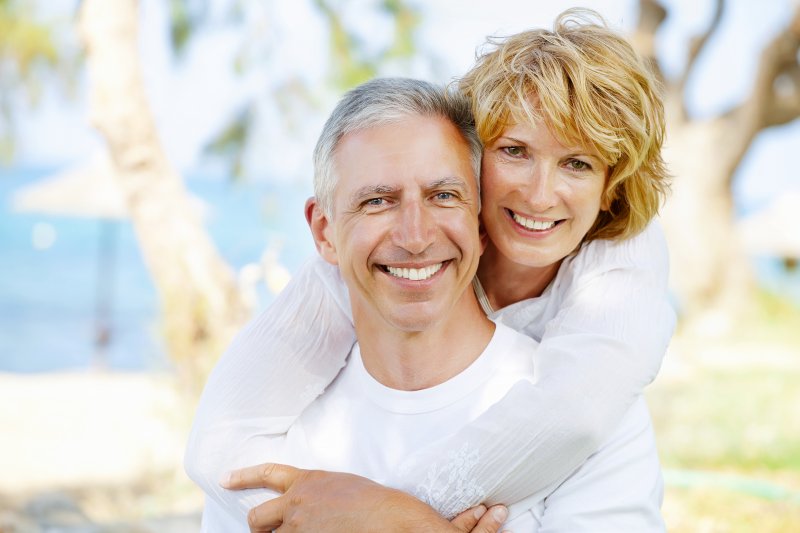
(26, 48)
(188, 17)
(351, 63)
(230, 142)
(185, 16)
(31, 54)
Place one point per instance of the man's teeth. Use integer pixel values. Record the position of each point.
(414, 274)
(533, 224)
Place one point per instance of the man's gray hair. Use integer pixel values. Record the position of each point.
(384, 101)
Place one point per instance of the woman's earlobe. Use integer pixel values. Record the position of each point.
(605, 202)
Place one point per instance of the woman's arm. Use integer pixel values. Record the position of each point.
(600, 347)
(274, 368)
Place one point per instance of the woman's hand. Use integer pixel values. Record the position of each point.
(315, 500)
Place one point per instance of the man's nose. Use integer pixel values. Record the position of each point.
(416, 228)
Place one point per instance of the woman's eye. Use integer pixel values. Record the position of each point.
(577, 164)
(514, 151)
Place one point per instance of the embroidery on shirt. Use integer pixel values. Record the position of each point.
(449, 485)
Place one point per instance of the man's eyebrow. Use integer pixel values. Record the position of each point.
(447, 182)
(370, 190)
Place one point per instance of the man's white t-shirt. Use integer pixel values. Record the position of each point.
(363, 427)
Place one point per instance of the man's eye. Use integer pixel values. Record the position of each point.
(374, 202)
(514, 151)
(444, 196)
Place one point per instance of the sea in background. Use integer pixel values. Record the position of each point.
(49, 272)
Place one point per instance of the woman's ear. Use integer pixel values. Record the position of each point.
(321, 230)
(605, 200)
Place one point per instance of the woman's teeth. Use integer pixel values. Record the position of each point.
(529, 223)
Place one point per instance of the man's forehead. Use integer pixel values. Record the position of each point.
(418, 150)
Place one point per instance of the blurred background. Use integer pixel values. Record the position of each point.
(155, 160)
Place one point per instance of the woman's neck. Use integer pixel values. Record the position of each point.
(506, 282)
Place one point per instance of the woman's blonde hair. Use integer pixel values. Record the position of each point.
(591, 88)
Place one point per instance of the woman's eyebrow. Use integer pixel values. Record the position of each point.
(508, 138)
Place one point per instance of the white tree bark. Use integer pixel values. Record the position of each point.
(201, 305)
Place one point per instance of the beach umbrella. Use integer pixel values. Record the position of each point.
(89, 190)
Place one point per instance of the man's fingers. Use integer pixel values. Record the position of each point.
(269, 476)
(469, 518)
(491, 520)
(266, 517)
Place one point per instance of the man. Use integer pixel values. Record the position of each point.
(396, 210)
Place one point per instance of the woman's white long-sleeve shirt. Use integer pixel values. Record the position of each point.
(603, 325)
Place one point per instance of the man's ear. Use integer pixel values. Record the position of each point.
(484, 236)
(321, 230)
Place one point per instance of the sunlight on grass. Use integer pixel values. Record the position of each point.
(727, 418)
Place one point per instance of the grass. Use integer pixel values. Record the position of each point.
(727, 419)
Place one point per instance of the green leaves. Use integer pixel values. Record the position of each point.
(28, 56)
(351, 62)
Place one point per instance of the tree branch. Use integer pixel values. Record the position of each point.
(778, 79)
(651, 15)
(775, 97)
(697, 43)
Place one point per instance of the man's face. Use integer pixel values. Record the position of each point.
(404, 227)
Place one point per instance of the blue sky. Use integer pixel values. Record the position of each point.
(193, 98)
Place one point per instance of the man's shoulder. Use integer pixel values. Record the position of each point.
(509, 353)
(507, 338)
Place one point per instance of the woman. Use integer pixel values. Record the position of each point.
(572, 125)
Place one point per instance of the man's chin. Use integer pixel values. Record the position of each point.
(413, 317)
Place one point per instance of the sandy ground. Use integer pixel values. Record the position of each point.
(94, 447)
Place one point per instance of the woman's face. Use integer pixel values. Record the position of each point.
(540, 198)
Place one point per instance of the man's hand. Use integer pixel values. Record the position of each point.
(481, 520)
(314, 500)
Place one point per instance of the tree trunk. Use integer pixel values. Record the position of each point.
(201, 305)
(709, 271)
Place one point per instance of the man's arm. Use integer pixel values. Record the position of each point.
(314, 500)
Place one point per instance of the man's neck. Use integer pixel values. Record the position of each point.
(418, 360)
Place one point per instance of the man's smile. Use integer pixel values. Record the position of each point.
(414, 274)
